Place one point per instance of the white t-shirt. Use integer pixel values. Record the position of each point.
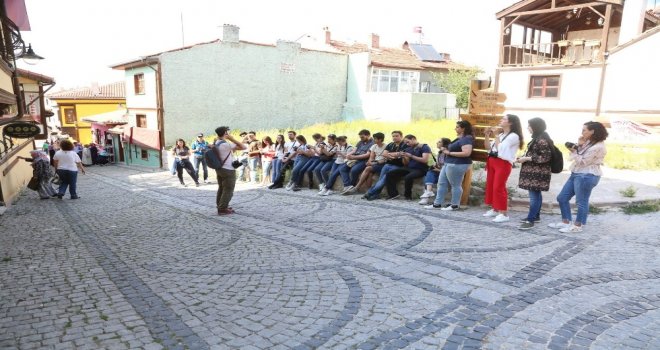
(288, 146)
(66, 160)
(342, 152)
(508, 146)
(378, 151)
(226, 149)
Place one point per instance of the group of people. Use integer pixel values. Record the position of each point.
(67, 164)
(327, 158)
(404, 158)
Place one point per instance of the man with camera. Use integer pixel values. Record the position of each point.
(199, 147)
(226, 175)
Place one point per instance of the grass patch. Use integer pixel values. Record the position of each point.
(629, 191)
(6, 259)
(104, 317)
(67, 325)
(595, 210)
(642, 208)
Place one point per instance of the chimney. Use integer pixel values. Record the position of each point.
(374, 41)
(327, 35)
(230, 33)
(405, 46)
(632, 21)
(95, 89)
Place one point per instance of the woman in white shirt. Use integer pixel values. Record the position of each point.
(67, 162)
(342, 150)
(498, 166)
(587, 156)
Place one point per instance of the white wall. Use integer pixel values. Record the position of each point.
(357, 85)
(248, 86)
(152, 117)
(387, 106)
(632, 79)
(578, 88)
(148, 100)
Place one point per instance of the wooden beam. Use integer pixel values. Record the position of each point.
(512, 22)
(612, 2)
(553, 5)
(605, 35)
(512, 8)
(556, 9)
(596, 12)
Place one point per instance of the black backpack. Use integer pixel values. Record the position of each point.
(556, 159)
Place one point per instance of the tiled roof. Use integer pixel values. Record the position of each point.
(388, 57)
(35, 76)
(104, 92)
(113, 117)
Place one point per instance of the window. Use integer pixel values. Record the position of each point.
(141, 121)
(144, 154)
(544, 86)
(69, 116)
(385, 80)
(138, 83)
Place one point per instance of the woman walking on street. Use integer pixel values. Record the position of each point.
(498, 166)
(535, 171)
(67, 164)
(182, 154)
(41, 170)
(587, 156)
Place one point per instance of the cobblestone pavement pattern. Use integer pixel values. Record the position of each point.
(141, 263)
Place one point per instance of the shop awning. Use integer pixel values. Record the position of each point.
(108, 118)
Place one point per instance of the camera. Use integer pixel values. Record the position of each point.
(493, 154)
(236, 164)
(570, 145)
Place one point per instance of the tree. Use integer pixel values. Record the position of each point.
(457, 82)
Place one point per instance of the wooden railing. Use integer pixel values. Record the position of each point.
(564, 52)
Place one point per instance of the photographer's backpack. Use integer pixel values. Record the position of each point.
(556, 159)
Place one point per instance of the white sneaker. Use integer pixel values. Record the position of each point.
(424, 201)
(289, 186)
(321, 192)
(321, 187)
(327, 193)
(559, 225)
(571, 229)
(490, 213)
(347, 189)
(451, 207)
(427, 194)
(501, 218)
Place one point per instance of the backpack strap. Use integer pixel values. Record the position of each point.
(217, 152)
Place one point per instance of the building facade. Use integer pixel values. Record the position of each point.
(76, 104)
(571, 62)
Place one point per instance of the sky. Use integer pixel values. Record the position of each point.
(80, 39)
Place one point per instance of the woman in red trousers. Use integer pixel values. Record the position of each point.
(502, 154)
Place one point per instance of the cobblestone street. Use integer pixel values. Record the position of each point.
(141, 262)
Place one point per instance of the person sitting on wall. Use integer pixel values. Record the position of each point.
(415, 164)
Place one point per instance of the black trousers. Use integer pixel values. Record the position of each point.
(288, 166)
(185, 164)
(409, 175)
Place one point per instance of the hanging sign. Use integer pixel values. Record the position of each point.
(21, 130)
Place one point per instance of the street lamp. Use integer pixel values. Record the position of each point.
(29, 57)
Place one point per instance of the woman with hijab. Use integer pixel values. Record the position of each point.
(42, 171)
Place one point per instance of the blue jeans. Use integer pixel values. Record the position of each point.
(334, 173)
(451, 175)
(580, 186)
(196, 161)
(378, 187)
(354, 171)
(535, 202)
(253, 163)
(277, 168)
(309, 168)
(68, 179)
(322, 170)
(298, 166)
(431, 177)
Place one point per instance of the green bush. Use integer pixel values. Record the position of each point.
(642, 208)
(629, 191)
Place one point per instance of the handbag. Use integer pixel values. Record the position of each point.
(33, 184)
(350, 163)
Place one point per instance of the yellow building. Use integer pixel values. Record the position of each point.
(74, 105)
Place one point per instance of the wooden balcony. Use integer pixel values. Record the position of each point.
(563, 52)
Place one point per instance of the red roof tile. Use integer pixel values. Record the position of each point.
(105, 92)
(388, 57)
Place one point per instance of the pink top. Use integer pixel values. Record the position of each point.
(588, 159)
